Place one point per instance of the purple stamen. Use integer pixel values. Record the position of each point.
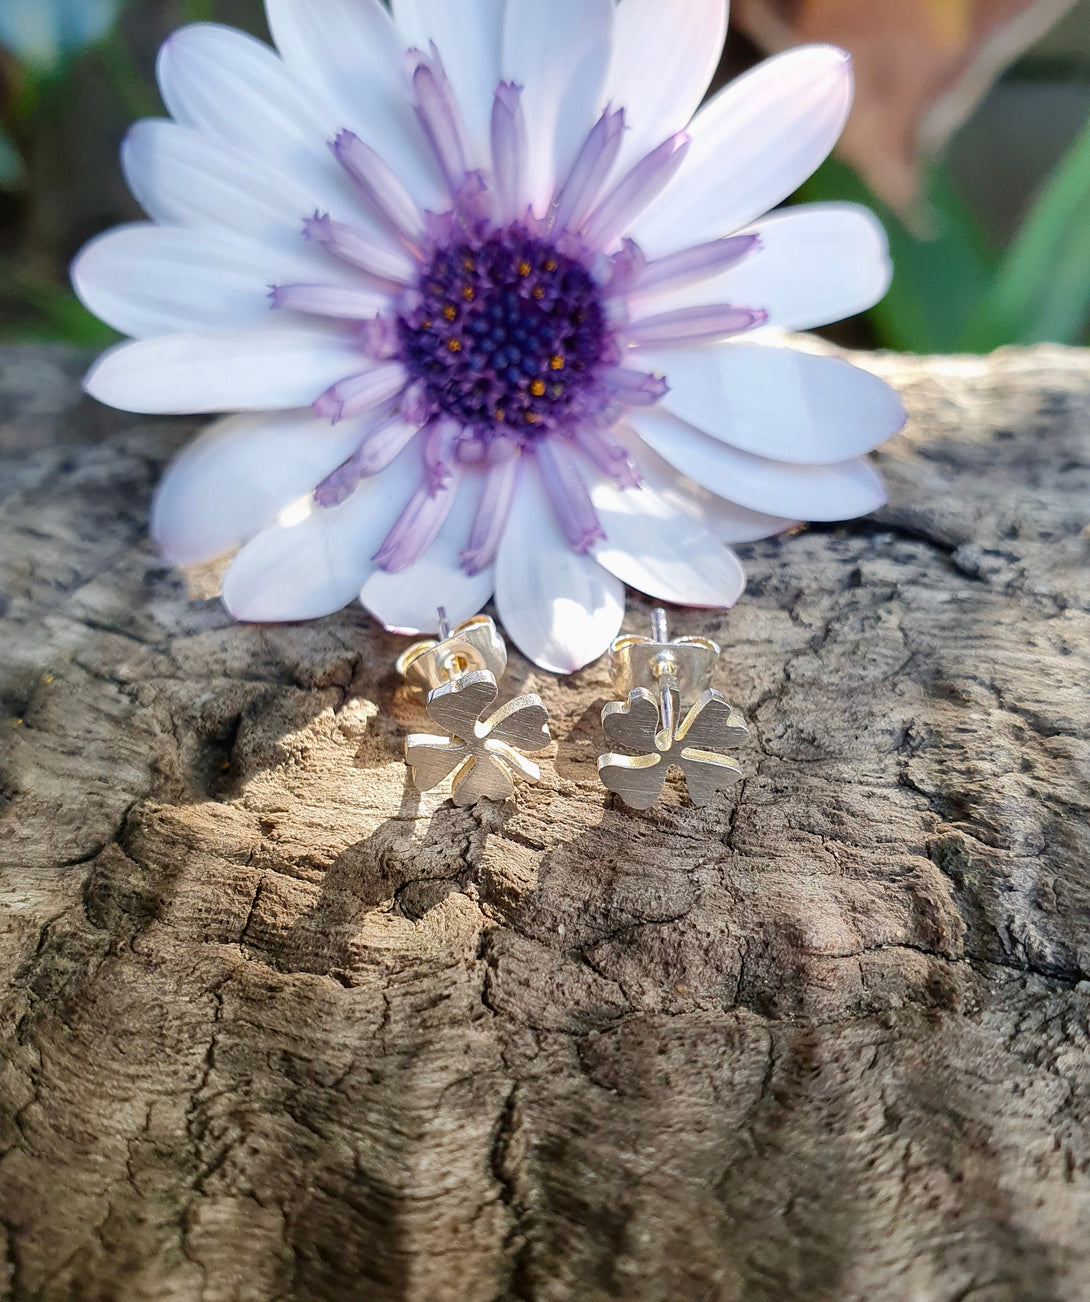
(693, 324)
(635, 388)
(383, 193)
(417, 528)
(567, 493)
(441, 453)
(624, 269)
(472, 450)
(380, 338)
(379, 447)
(608, 455)
(439, 115)
(414, 404)
(388, 268)
(472, 210)
(383, 444)
(490, 522)
(593, 165)
(631, 195)
(359, 393)
(339, 486)
(509, 149)
(338, 301)
(694, 264)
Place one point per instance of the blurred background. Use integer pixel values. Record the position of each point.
(970, 137)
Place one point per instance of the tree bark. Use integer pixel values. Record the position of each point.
(275, 1027)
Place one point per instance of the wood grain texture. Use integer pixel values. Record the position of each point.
(274, 1027)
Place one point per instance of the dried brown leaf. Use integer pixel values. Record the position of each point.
(921, 68)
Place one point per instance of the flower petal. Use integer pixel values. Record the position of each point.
(337, 302)
(753, 145)
(349, 53)
(181, 177)
(236, 478)
(316, 565)
(667, 553)
(471, 48)
(559, 53)
(241, 370)
(817, 263)
(561, 609)
(778, 402)
(409, 602)
(665, 53)
(234, 89)
(231, 85)
(149, 280)
(734, 524)
(727, 521)
(834, 492)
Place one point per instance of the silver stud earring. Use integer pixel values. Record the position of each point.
(657, 675)
(459, 674)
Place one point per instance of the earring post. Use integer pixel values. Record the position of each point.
(665, 675)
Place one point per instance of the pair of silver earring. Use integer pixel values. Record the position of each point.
(482, 748)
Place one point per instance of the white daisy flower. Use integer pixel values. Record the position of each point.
(521, 335)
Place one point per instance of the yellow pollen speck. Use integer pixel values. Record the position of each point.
(532, 418)
(455, 345)
(524, 268)
(468, 294)
(550, 265)
(450, 313)
(557, 390)
(469, 264)
(426, 325)
(500, 414)
(556, 362)
(538, 388)
(539, 293)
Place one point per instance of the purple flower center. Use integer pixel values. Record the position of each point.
(507, 335)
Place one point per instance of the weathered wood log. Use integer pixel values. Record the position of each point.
(274, 1027)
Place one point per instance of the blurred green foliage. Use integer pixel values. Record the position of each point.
(11, 165)
(1040, 288)
(953, 289)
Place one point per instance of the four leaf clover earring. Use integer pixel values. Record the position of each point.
(459, 674)
(657, 676)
